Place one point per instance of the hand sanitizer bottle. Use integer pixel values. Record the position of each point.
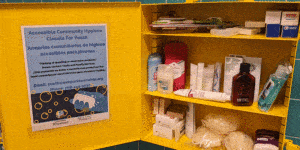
(243, 85)
(165, 79)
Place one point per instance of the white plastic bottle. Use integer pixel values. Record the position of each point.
(165, 79)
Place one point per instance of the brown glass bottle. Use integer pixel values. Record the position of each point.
(243, 85)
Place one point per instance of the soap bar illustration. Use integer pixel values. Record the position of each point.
(94, 101)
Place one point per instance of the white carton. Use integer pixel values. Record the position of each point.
(155, 106)
(163, 131)
(273, 17)
(190, 127)
(166, 120)
(290, 18)
(232, 67)
(179, 130)
(163, 105)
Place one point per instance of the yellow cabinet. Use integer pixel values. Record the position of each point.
(130, 42)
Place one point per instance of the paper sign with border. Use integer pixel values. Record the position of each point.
(67, 74)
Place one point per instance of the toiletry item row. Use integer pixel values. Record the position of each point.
(216, 130)
(241, 78)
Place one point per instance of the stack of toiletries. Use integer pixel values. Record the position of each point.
(241, 78)
(170, 119)
(250, 28)
(205, 83)
(170, 76)
(286, 20)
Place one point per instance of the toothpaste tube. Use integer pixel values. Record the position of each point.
(207, 95)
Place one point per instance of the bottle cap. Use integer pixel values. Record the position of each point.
(245, 67)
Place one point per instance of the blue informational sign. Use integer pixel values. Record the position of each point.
(67, 74)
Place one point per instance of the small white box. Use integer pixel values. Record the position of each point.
(255, 70)
(290, 18)
(163, 131)
(273, 17)
(163, 105)
(232, 67)
(179, 130)
(248, 31)
(190, 121)
(155, 106)
(166, 120)
(255, 24)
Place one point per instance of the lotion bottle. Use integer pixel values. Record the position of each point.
(243, 85)
(165, 79)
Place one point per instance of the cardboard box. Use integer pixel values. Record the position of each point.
(232, 67)
(177, 110)
(163, 105)
(289, 23)
(163, 131)
(166, 120)
(273, 19)
(156, 102)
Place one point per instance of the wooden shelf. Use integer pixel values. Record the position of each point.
(208, 35)
(276, 110)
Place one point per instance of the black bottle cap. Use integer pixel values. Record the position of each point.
(245, 67)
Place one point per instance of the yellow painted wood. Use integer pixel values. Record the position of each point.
(184, 142)
(279, 110)
(209, 49)
(124, 45)
(208, 35)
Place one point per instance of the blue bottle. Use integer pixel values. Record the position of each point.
(153, 61)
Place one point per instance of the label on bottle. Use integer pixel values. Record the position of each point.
(178, 68)
(267, 88)
(243, 100)
(164, 84)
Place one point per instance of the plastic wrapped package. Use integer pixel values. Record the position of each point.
(221, 124)
(206, 138)
(238, 141)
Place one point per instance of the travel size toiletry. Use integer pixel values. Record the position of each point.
(273, 86)
(272, 20)
(176, 55)
(153, 61)
(193, 76)
(179, 130)
(163, 131)
(165, 79)
(266, 140)
(232, 67)
(217, 77)
(255, 70)
(243, 85)
(208, 76)
(289, 23)
(205, 95)
(177, 110)
(190, 122)
(163, 105)
(166, 120)
(200, 76)
(156, 102)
